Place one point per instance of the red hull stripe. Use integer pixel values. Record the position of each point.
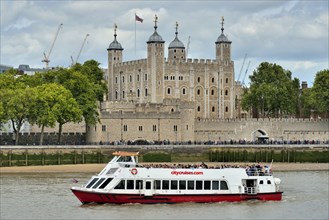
(92, 197)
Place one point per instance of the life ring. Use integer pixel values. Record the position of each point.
(134, 171)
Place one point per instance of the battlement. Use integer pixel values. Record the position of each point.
(132, 62)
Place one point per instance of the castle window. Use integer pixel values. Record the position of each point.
(213, 80)
(182, 51)
(130, 78)
(138, 93)
(175, 57)
(116, 94)
(198, 79)
(123, 79)
(198, 91)
(213, 109)
(116, 79)
(145, 77)
(145, 91)
(187, 127)
(140, 128)
(172, 110)
(154, 128)
(226, 109)
(123, 94)
(103, 127)
(184, 91)
(125, 127)
(168, 91)
(226, 80)
(114, 58)
(212, 92)
(137, 78)
(175, 127)
(175, 51)
(198, 109)
(226, 92)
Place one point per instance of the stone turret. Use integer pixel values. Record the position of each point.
(176, 49)
(155, 62)
(114, 52)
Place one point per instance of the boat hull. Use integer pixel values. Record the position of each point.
(93, 197)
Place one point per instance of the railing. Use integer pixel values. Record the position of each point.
(250, 190)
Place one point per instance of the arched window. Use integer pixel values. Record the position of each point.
(198, 109)
(168, 91)
(212, 92)
(198, 79)
(226, 92)
(198, 91)
(123, 94)
(116, 94)
(145, 91)
(138, 93)
(213, 80)
(226, 109)
(184, 91)
(213, 109)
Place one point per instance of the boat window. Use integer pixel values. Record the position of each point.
(173, 184)
(121, 185)
(130, 184)
(215, 185)
(223, 185)
(182, 184)
(148, 185)
(91, 183)
(111, 171)
(157, 184)
(261, 182)
(268, 181)
(190, 184)
(165, 184)
(206, 184)
(139, 184)
(198, 184)
(106, 183)
(124, 159)
(98, 183)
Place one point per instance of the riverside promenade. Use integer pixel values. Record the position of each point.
(11, 156)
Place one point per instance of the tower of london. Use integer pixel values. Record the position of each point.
(162, 98)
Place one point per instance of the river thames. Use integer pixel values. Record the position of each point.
(48, 196)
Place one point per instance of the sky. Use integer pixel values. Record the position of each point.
(292, 34)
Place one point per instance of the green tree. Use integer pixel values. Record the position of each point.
(95, 75)
(43, 113)
(16, 99)
(272, 92)
(320, 92)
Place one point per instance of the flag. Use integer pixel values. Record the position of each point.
(138, 18)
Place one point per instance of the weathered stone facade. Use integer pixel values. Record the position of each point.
(160, 98)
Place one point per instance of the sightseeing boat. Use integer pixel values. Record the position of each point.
(123, 180)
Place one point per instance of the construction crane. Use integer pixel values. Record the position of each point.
(46, 60)
(245, 56)
(76, 60)
(188, 46)
(245, 74)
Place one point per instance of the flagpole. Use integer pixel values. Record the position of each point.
(135, 35)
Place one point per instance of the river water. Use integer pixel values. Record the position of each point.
(48, 196)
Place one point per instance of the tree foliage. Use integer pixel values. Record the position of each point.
(320, 91)
(272, 93)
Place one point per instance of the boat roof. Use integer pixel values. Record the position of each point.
(125, 153)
